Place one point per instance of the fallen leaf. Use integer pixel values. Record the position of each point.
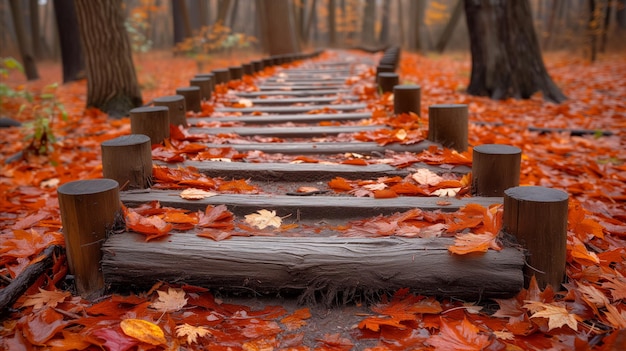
(425, 176)
(50, 298)
(171, 301)
(461, 335)
(557, 316)
(143, 331)
(296, 319)
(192, 333)
(263, 219)
(196, 194)
(470, 242)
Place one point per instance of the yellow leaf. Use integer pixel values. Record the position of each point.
(424, 176)
(470, 242)
(170, 301)
(192, 333)
(557, 316)
(263, 219)
(143, 331)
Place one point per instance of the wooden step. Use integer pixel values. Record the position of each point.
(290, 109)
(292, 93)
(363, 148)
(299, 118)
(300, 100)
(285, 132)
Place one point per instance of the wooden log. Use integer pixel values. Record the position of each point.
(253, 94)
(304, 172)
(537, 217)
(210, 76)
(291, 148)
(152, 121)
(385, 68)
(301, 100)
(12, 292)
(287, 87)
(284, 78)
(320, 83)
(205, 87)
(386, 81)
(495, 168)
(291, 109)
(307, 208)
(89, 209)
(236, 72)
(257, 65)
(221, 75)
(448, 125)
(127, 159)
(406, 99)
(176, 107)
(192, 97)
(313, 265)
(296, 118)
(248, 69)
(286, 132)
(268, 62)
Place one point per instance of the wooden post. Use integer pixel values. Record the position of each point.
(388, 80)
(176, 108)
(152, 121)
(222, 75)
(495, 168)
(448, 125)
(192, 98)
(236, 72)
(537, 217)
(88, 210)
(205, 87)
(127, 159)
(268, 62)
(385, 68)
(257, 65)
(407, 98)
(248, 69)
(211, 78)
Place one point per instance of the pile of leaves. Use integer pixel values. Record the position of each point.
(588, 312)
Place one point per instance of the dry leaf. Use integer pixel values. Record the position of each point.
(143, 331)
(425, 176)
(557, 316)
(196, 194)
(45, 298)
(245, 103)
(192, 333)
(170, 301)
(504, 335)
(446, 192)
(263, 219)
(307, 189)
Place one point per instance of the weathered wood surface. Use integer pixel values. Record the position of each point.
(329, 265)
(292, 92)
(302, 118)
(285, 87)
(286, 132)
(286, 78)
(291, 109)
(364, 148)
(310, 207)
(301, 100)
(304, 172)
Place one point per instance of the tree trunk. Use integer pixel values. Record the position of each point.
(222, 11)
(35, 28)
(383, 36)
(306, 34)
(24, 45)
(332, 23)
(111, 79)
(449, 29)
(416, 11)
(368, 30)
(506, 59)
(620, 14)
(279, 27)
(182, 27)
(69, 38)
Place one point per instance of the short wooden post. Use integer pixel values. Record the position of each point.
(385, 68)
(537, 217)
(407, 98)
(268, 62)
(222, 75)
(205, 87)
(495, 168)
(257, 65)
(387, 80)
(448, 125)
(89, 209)
(236, 72)
(152, 121)
(211, 77)
(192, 98)
(176, 108)
(127, 159)
(247, 69)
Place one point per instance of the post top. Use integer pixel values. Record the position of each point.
(169, 98)
(447, 106)
(388, 74)
(126, 140)
(407, 87)
(144, 109)
(536, 194)
(193, 88)
(200, 79)
(88, 186)
(497, 149)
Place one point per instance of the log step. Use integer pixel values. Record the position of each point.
(363, 148)
(285, 132)
(300, 100)
(316, 92)
(305, 118)
(308, 208)
(289, 109)
(312, 265)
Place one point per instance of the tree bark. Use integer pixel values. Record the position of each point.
(111, 79)
(449, 28)
(332, 23)
(383, 36)
(24, 45)
(416, 10)
(35, 27)
(506, 58)
(368, 30)
(279, 27)
(69, 38)
(182, 26)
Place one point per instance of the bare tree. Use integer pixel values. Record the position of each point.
(278, 26)
(69, 39)
(506, 58)
(111, 78)
(24, 45)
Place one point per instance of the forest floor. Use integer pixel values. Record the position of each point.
(589, 312)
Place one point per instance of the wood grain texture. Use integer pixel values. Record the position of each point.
(286, 132)
(312, 265)
(290, 109)
(285, 118)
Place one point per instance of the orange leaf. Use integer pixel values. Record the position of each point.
(385, 194)
(470, 242)
(296, 319)
(340, 184)
(462, 335)
(143, 331)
